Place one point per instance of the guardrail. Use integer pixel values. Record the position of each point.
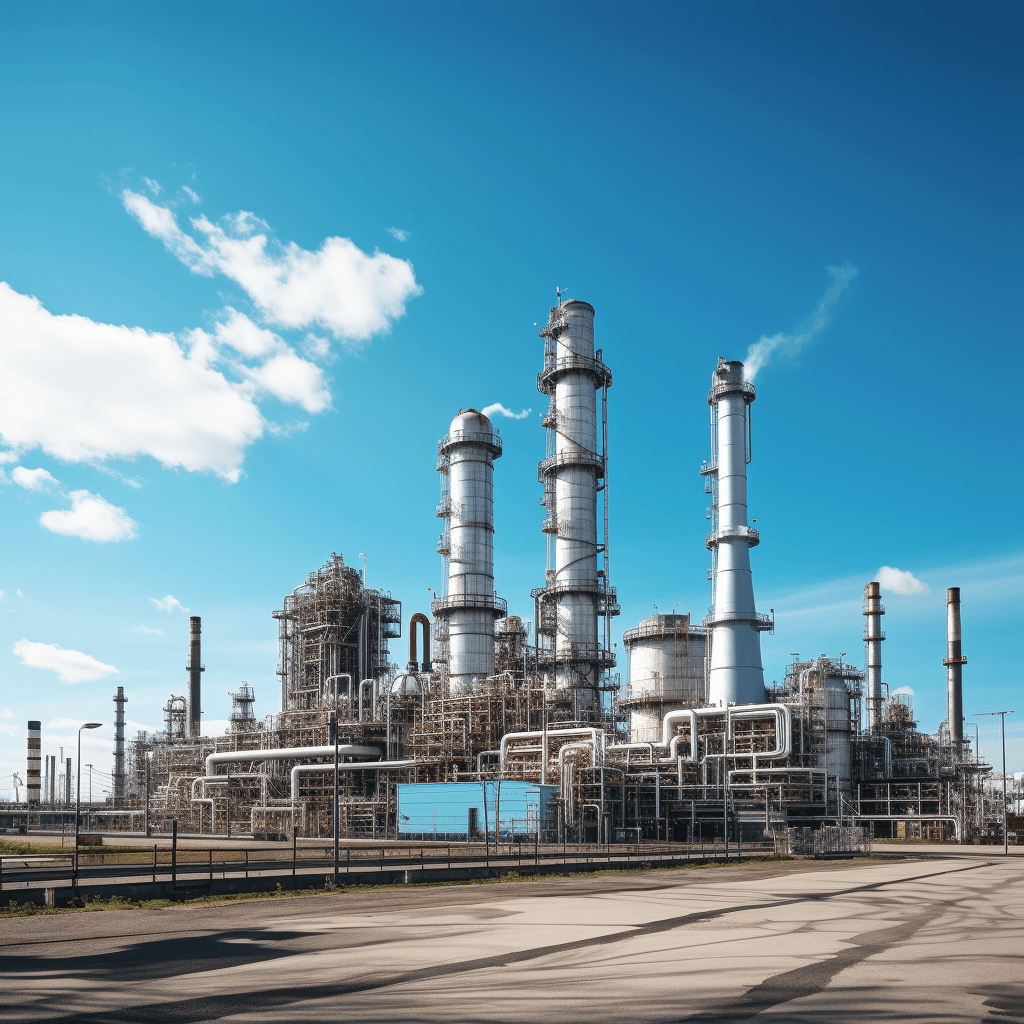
(192, 866)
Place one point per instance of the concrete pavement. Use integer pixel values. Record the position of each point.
(935, 940)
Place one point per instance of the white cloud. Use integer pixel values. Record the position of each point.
(33, 479)
(398, 233)
(91, 517)
(168, 604)
(144, 629)
(245, 337)
(8, 457)
(191, 194)
(70, 666)
(908, 690)
(760, 353)
(6, 713)
(85, 391)
(291, 379)
(339, 287)
(153, 186)
(499, 410)
(899, 581)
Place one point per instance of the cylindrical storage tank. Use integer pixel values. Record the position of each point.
(839, 739)
(736, 675)
(34, 761)
(467, 455)
(666, 672)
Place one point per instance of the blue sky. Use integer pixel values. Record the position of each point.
(275, 249)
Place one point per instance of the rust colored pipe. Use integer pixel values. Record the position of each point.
(420, 618)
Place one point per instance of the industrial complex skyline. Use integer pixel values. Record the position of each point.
(237, 314)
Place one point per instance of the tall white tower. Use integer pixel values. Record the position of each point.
(466, 461)
(576, 590)
(873, 637)
(736, 675)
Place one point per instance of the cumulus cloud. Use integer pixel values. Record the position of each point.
(399, 234)
(899, 581)
(168, 604)
(90, 517)
(760, 353)
(153, 186)
(70, 666)
(338, 287)
(191, 194)
(33, 479)
(86, 391)
(499, 410)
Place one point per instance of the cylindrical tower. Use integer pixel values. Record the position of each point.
(873, 637)
(466, 460)
(33, 761)
(666, 672)
(576, 592)
(194, 668)
(954, 662)
(119, 702)
(736, 675)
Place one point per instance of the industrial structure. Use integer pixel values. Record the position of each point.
(696, 747)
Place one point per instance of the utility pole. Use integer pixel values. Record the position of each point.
(1002, 732)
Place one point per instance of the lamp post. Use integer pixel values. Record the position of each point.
(78, 788)
(1002, 732)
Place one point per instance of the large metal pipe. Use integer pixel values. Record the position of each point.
(736, 675)
(954, 662)
(33, 761)
(195, 668)
(873, 637)
(287, 754)
(466, 454)
(423, 621)
(570, 472)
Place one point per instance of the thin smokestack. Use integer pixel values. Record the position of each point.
(873, 637)
(954, 662)
(33, 760)
(119, 700)
(194, 668)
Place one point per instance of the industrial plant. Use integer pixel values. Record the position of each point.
(696, 747)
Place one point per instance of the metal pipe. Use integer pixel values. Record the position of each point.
(597, 738)
(335, 678)
(287, 754)
(954, 662)
(422, 620)
(370, 683)
(304, 769)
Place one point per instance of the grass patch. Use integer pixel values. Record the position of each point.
(13, 848)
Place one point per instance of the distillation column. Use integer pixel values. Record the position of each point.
(119, 700)
(954, 662)
(194, 668)
(736, 674)
(470, 605)
(574, 588)
(873, 637)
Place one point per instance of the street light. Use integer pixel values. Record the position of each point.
(1002, 732)
(78, 790)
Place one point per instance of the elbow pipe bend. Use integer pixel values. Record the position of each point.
(422, 620)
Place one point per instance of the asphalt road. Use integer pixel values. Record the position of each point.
(935, 940)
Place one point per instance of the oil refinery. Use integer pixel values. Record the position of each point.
(695, 747)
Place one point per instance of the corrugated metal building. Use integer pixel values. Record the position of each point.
(456, 810)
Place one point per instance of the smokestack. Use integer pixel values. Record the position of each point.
(67, 780)
(119, 700)
(954, 662)
(736, 674)
(873, 637)
(466, 454)
(194, 668)
(33, 759)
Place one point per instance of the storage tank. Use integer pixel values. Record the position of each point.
(666, 672)
(839, 738)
